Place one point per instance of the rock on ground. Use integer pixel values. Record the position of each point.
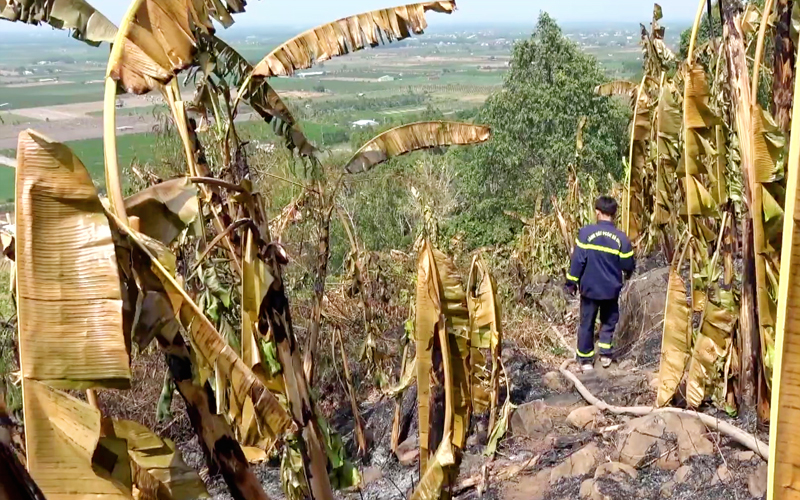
(580, 463)
(586, 417)
(655, 435)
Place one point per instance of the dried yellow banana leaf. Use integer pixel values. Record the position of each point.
(720, 184)
(348, 35)
(710, 347)
(768, 144)
(255, 281)
(86, 23)
(157, 466)
(70, 306)
(436, 475)
(485, 333)
(429, 309)
(442, 469)
(454, 305)
(406, 379)
(676, 339)
(165, 209)
(697, 113)
(62, 435)
(413, 137)
(699, 200)
(624, 88)
(156, 40)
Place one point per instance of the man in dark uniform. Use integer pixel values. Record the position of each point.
(603, 255)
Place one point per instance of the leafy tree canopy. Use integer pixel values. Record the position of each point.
(534, 119)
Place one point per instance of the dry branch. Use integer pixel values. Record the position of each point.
(747, 440)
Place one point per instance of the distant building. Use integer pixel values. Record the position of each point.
(364, 123)
(386, 78)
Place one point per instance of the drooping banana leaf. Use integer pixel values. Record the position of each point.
(429, 309)
(230, 65)
(710, 348)
(157, 467)
(165, 209)
(624, 88)
(86, 23)
(158, 38)
(440, 470)
(413, 137)
(456, 312)
(215, 351)
(485, 333)
(64, 453)
(348, 35)
(676, 337)
(70, 306)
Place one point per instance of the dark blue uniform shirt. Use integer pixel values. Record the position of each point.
(602, 255)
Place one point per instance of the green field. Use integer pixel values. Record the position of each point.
(6, 184)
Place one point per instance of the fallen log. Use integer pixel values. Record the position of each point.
(745, 439)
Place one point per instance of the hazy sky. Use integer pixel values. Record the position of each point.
(309, 13)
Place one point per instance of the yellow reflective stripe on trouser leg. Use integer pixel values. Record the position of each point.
(601, 345)
(582, 355)
(571, 277)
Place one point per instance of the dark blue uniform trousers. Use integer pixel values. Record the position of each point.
(608, 310)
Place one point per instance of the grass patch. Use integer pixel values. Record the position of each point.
(6, 184)
(51, 95)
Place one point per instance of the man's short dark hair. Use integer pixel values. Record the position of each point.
(606, 205)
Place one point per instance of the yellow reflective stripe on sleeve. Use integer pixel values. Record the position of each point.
(626, 255)
(571, 277)
(603, 346)
(589, 246)
(582, 355)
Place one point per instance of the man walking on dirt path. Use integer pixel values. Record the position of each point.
(603, 255)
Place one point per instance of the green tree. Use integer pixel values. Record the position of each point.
(534, 118)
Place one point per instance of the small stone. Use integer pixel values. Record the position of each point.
(723, 475)
(531, 419)
(745, 456)
(638, 436)
(553, 381)
(408, 451)
(757, 481)
(586, 488)
(682, 474)
(580, 463)
(585, 417)
(370, 475)
(626, 365)
(667, 489)
(615, 469)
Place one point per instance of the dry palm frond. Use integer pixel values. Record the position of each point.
(348, 35)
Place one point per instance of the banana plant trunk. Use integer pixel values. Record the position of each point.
(323, 256)
(214, 433)
(739, 88)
